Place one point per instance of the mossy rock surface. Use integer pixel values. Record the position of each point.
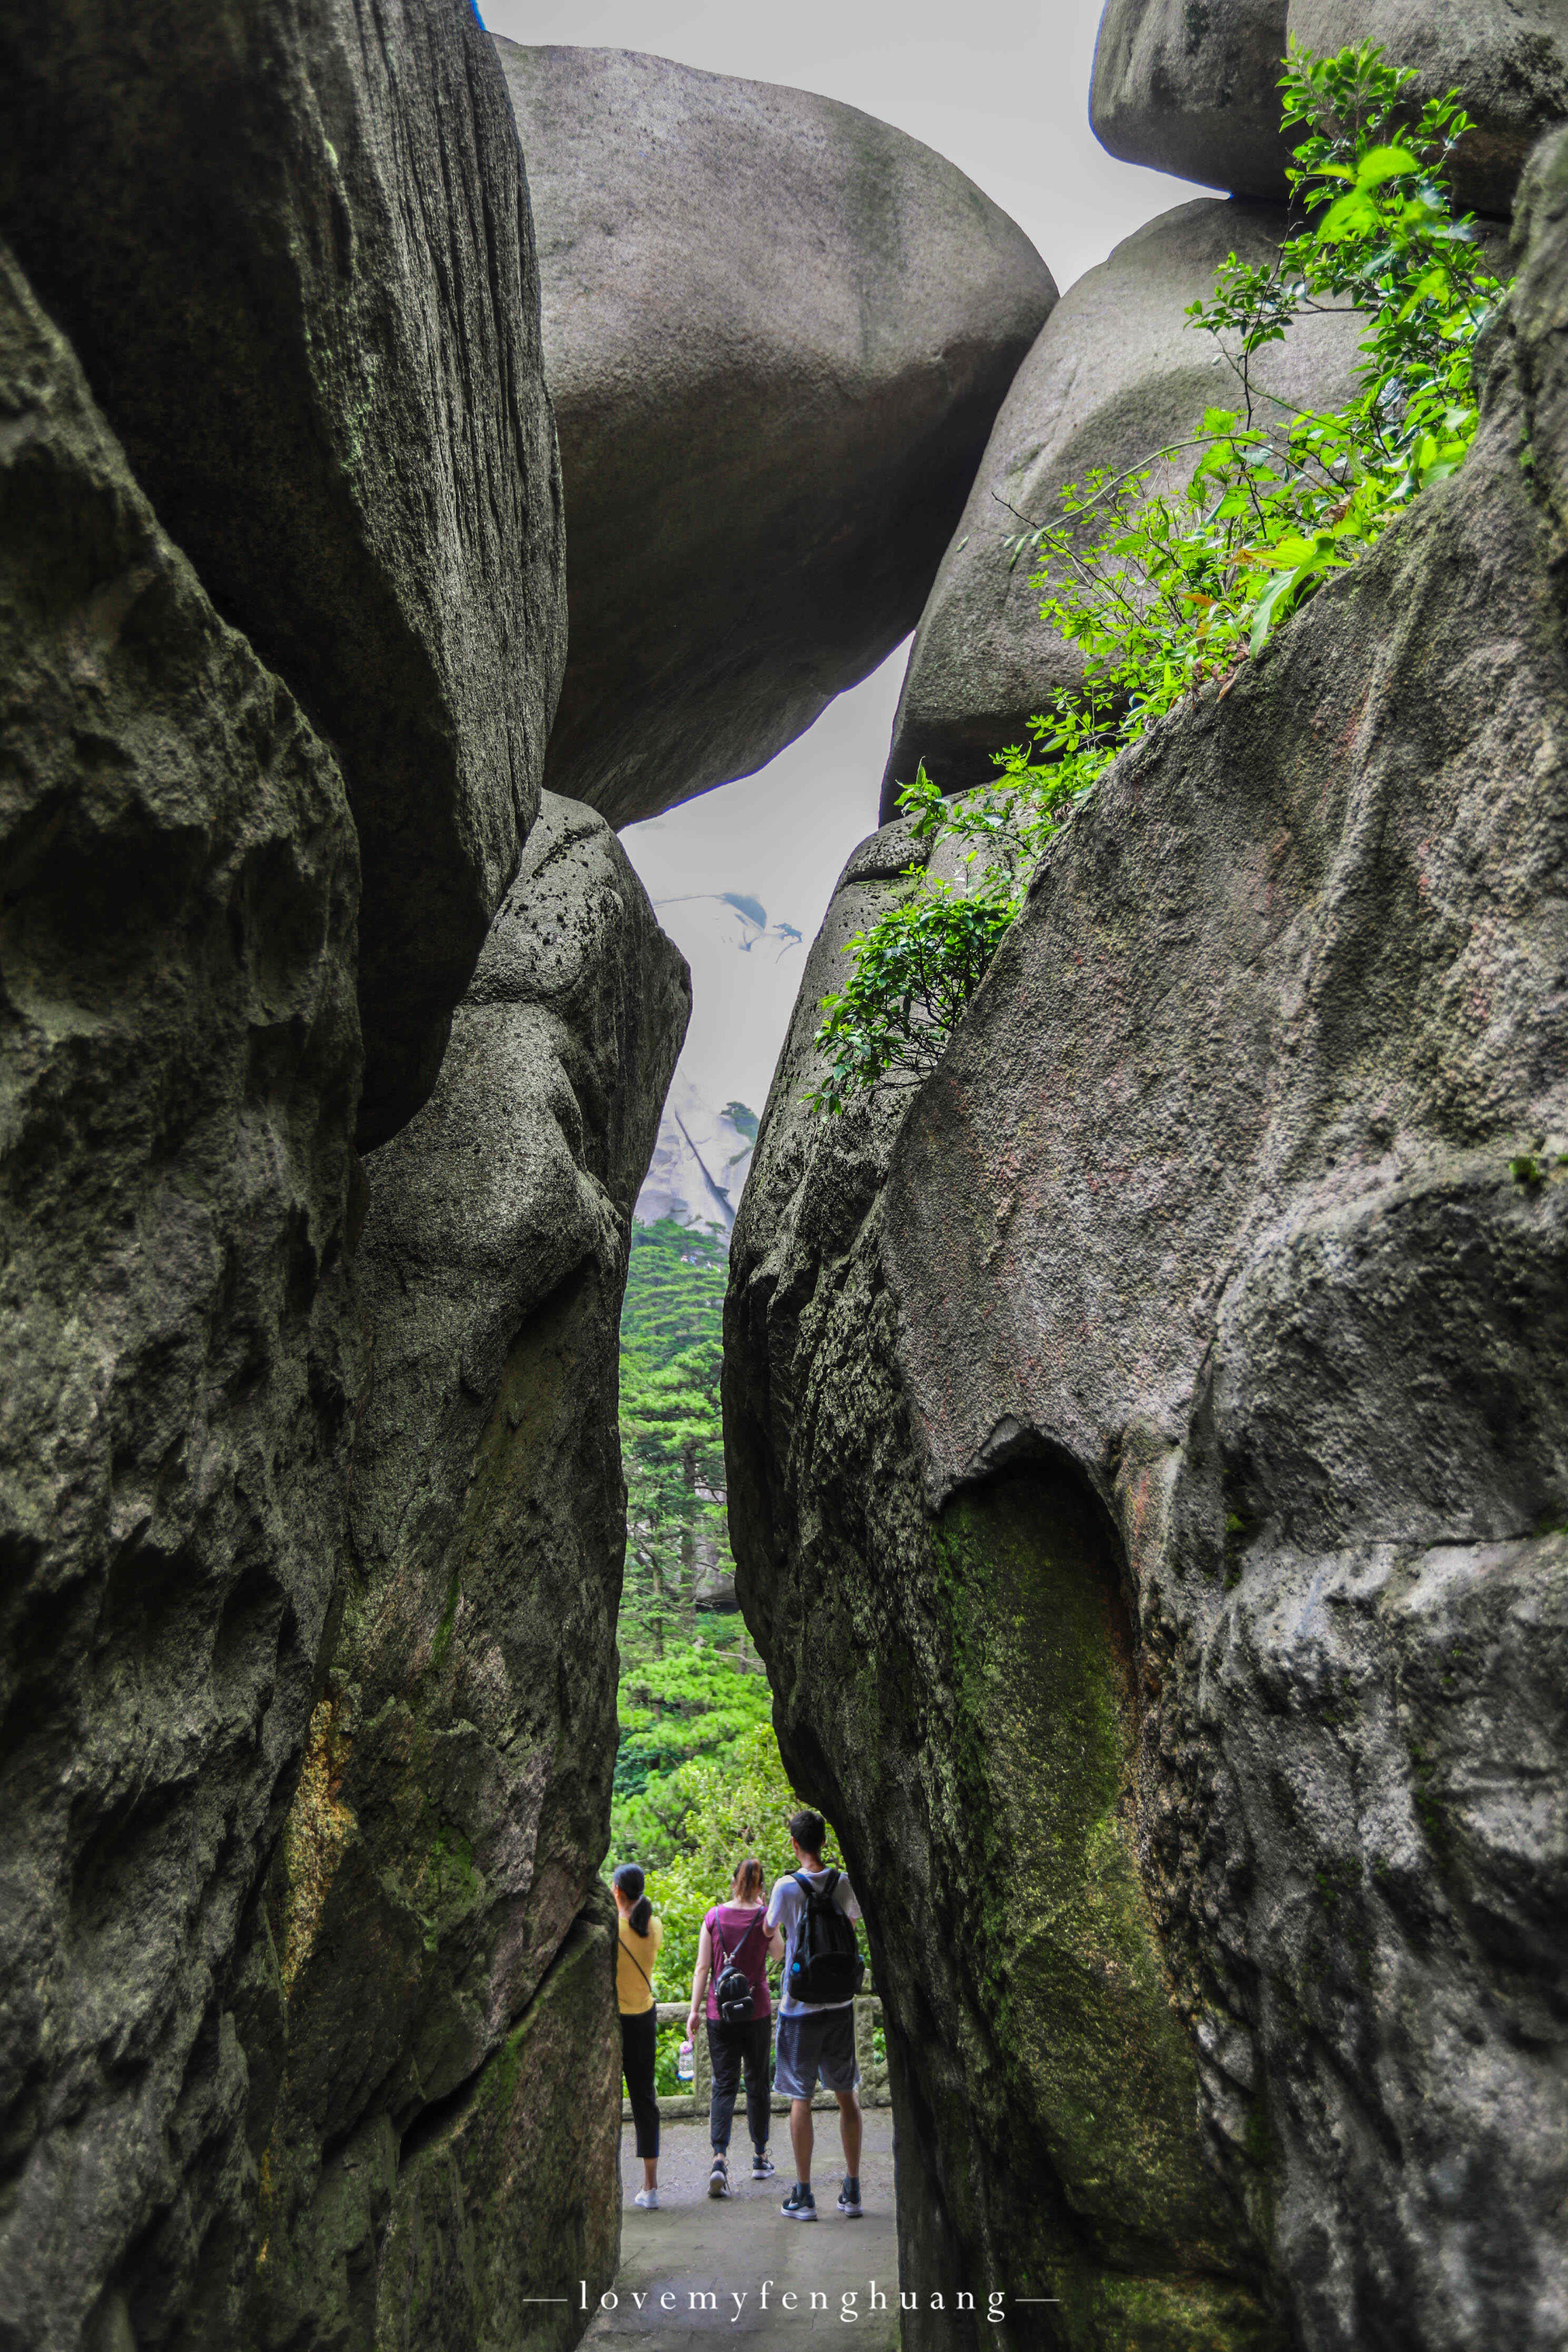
(1232, 1234)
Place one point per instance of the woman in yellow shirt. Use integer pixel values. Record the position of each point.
(641, 1935)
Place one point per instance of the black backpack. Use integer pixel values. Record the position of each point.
(734, 1995)
(825, 1965)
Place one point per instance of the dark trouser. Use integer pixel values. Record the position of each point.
(639, 2042)
(730, 2047)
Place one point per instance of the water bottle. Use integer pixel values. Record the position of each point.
(685, 2064)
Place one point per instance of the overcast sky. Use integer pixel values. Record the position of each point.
(1008, 102)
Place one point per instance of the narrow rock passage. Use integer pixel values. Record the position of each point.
(696, 2246)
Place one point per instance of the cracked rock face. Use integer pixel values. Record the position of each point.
(179, 1065)
(776, 333)
(439, 1990)
(1117, 373)
(291, 246)
(1149, 1469)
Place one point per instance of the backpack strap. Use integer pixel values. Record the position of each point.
(728, 1959)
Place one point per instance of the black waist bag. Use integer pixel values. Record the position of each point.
(827, 1964)
(733, 1994)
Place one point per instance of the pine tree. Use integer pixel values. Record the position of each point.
(672, 1439)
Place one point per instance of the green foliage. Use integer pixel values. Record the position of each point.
(1168, 577)
(699, 1785)
(915, 971)
(699, 1782)
(672, 1439)
(687, 1704)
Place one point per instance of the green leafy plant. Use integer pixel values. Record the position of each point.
(698, 1779)
(672, 1436)
(1170, 575)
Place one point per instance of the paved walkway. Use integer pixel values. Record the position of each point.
(696, 2246)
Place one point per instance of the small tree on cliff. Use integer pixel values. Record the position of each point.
(1167, 590)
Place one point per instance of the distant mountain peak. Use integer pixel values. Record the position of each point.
(701, 1161)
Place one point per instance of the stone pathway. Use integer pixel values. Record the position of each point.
(697, 2247)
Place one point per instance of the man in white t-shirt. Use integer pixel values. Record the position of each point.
(815, 2038)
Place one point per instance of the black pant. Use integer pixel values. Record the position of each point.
(730, 2047)
(639, 2043)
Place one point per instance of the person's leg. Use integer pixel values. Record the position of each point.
(796, 2078)
(639, 2047)
(638, 2050)
(802, 2140)
(725, 2052)
(756, 2044)
(849, 2127)
(841, 2075)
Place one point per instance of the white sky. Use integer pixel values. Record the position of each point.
(1008, 104)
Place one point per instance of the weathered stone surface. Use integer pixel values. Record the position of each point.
(1189, 87)
(1117, 373)
(1507, 58)
(455, 1807)
(1149, 1465)
(776, 332)
(291, 245)
(179, 1062)
(519, 2191)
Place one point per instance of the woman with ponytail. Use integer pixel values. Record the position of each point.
(641, 1935)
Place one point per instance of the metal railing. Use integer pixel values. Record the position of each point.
(874, 2090)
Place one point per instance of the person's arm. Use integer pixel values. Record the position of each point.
(700, 1975)
(775, 1926)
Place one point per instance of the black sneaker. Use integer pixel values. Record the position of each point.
(800, 2205)
(761, 2164)
(849, 2203)
(719, 2177)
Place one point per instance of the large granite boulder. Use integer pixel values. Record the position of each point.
(1507, 58)
(179, 1064)
(1191, 86)
(445, 2076)
(292, 248)
(1117, 373)
(1148, 1470)
(776, 332)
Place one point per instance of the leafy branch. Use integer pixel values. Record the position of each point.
(1165, 586)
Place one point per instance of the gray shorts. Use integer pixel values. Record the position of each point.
(820, 2043)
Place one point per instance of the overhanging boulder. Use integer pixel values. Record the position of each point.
(292, 246)
(776, 332)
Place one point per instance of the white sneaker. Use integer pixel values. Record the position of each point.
(647, 2199)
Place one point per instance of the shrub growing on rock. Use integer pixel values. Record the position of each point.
(1167, 591)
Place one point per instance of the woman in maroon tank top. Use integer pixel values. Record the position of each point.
(735, 1936)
